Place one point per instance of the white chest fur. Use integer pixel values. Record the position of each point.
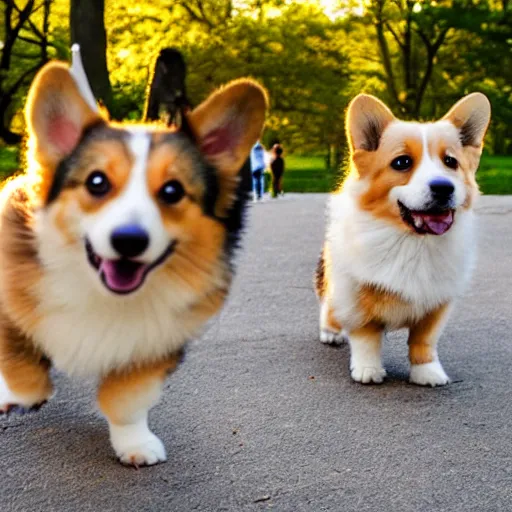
(426, 270)
(86, 330)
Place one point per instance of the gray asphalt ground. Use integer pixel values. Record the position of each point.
(262, 416)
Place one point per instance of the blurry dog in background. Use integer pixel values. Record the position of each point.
(117, 245)
(166, 89)
(399, 246)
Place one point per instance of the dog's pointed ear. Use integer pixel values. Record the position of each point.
(226, 127)
(471, 116)
(367, 117)
(56, 114)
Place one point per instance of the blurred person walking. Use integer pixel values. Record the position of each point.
(277, 168)
(257, 170)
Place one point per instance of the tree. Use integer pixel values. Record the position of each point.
(87, 24)
(418, 30)
(420, 56)
(25, 49)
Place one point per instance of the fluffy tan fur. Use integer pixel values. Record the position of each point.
(194, 281)
(362, 300)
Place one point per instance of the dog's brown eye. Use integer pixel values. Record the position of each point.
(171, 192)
(450, 162)
(97, 184)
(402, 163)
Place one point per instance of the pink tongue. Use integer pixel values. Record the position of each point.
(438, 224)
(122, 276)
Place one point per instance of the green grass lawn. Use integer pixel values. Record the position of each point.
(8, 161)
(308, 173)
(495, 175)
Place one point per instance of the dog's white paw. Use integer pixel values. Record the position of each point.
(135, 445)
(146, 453)
(365, 361)
(368, 375)
(333, 338)
(428, 374)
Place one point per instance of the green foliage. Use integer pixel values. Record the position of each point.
(432, 52)
(9, 161)
(298, 53)
(424, 57)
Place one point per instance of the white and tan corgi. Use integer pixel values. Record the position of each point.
(116, 247)
(399, 246)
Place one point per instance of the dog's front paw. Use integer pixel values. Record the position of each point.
(149, 452)
(136, 445)
(368, 375)
(428, 374)
(12, 402)
(333, 338)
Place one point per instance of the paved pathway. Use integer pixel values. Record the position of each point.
(262, 416)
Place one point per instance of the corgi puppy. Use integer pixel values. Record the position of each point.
(399, 246)
(116, 247)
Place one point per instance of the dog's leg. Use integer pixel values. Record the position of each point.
(125, 399)
(331, 330)
(365, 354)
(24, 373)
(426, 370)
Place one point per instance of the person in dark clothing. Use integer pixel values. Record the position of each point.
(277, 168)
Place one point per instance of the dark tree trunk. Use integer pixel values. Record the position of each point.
(328, 158)
(46, 27)
(409, 79)
(384, 51)
(432, 49)
(87, 22)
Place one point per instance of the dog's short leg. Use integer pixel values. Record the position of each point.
(426, 370)
(365, 354)
(24, 373)
(331, 330)
(125, 399)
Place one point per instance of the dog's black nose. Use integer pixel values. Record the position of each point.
(442, 189)
(130, 240)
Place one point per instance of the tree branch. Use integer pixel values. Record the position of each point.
(440, 39)
(432, 49)
(30, 40)
(424, 38)
(199, 17)
(11, 36)
(34, 28)
(395, 35)
(384, 50)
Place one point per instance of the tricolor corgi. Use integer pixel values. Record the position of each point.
(116, 247)
(399, 246)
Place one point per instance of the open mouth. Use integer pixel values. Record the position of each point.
(124, 275)
(433, 221)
